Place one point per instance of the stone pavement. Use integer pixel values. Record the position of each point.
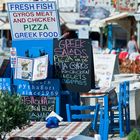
(116, 136)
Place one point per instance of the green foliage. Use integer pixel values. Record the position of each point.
(134, 135)
(105, 31)
(13, 113)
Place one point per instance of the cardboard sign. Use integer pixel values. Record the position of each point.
(48, 87)
(72, 64)
(104, 68)
(41, 106)
(32, 68)
(33, 20)
(5, 84)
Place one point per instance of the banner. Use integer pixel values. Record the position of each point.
(33, 20)
(95, 9)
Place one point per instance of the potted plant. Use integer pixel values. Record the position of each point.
(134, 135)
(13, 113)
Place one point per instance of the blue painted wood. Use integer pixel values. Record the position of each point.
(104, 114)
(34, 48)
(127, 109)
(57, 106)
(122, 111)
(5, 84)
(92, 115)
(47, 87)
(110, 37)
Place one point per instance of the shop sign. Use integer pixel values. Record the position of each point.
(33, 20)
(48, 87)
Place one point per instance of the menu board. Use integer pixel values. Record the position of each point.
(31, 68)
(104, 68)
(41, 106)
(73, 64)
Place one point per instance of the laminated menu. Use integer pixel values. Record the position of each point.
(31, 68)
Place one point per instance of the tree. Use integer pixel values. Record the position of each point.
(13, 113)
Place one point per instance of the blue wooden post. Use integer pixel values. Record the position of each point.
(110, 37)
(58, 105)
(106, 118)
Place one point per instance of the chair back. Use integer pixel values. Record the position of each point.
(124, 93)
(83, 112)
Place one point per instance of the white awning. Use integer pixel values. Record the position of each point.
(69, 19)
(76, 27)
(116, 17)
(97, 24)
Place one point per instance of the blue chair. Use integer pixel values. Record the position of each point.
(126, 106)
(120, 114)
(83, 112)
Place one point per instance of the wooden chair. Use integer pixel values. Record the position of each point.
(120, 114)
(83, 112)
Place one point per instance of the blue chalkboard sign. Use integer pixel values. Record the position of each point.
(48, 87)
(5, 84)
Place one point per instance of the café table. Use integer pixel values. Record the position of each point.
(39, 131)
(103, 93)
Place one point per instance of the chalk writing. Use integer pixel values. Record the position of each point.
(72, 60)
(40, 106)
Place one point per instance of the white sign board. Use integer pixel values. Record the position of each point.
(33, 20)
(83, 33)
(104, 68)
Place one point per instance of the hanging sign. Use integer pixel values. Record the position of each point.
(33, 20)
